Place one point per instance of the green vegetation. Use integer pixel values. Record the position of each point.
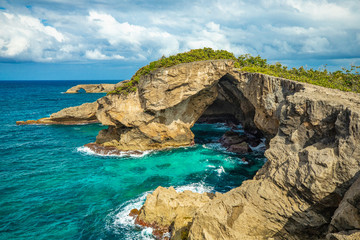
(345, 79)
(186, 57)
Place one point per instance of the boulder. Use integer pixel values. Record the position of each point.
(231, 138)
(176, 209)
(240, 148)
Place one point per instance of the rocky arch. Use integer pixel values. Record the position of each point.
(169, 101)
(313, 155)
(92, 88)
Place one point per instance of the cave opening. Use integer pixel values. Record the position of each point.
(234, 110)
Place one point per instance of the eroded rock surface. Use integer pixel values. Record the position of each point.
(312, 161)
(345, 224)
(167, 104)
(176, 211)
(83, 114)
(312, 137)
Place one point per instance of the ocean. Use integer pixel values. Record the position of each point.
(51, 187)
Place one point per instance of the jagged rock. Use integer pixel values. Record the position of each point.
(83, 114)
(167, 104)
(234, 142)
(232, 138)
(345, 223)
(176, 210)
(312, 137)
(240, 148)
(312, 161)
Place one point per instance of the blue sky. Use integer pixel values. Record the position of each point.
(111, 39)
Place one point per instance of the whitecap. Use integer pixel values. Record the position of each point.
(195, 187)
(259, 148)
(120, 219)
(214, 146)
(146, 234)
(115, 153)
(220, 170)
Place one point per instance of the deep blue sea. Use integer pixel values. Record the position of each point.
(53, 188)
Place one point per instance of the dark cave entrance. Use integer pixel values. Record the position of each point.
(227, 127)
(231, 107)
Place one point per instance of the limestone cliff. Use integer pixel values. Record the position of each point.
(167, 104)
(312, 138)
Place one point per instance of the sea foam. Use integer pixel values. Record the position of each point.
(88, 151)
(122, 220)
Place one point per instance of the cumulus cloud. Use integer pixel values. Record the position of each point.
(139, 31)
(134, 37)
(97, 55)
(25, 37)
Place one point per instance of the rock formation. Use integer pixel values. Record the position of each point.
(83, 114)
(167, 104)
(233, 142)
(176, 210)
(95, 88)
(345, 224)
(312, 137)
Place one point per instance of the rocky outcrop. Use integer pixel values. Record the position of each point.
(176, 210)
(312, 161)
(236, 143)
(312, 138)
(95, 88)
(160, 114)
(83, 114)
(345, 224)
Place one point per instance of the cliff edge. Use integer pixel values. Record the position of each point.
(313, 155)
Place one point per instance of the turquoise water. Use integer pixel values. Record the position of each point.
(53, 188)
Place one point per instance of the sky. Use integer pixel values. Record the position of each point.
(111, 39)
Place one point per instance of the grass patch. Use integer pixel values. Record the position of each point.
(344, 79)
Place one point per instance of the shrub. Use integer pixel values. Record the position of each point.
(345, 79)
(186, 57)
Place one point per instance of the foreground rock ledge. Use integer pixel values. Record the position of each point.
(312, 136)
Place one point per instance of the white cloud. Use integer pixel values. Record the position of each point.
(132, 30)
(97, 55)
(137, 38)
(317, 44)
(25, 37)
